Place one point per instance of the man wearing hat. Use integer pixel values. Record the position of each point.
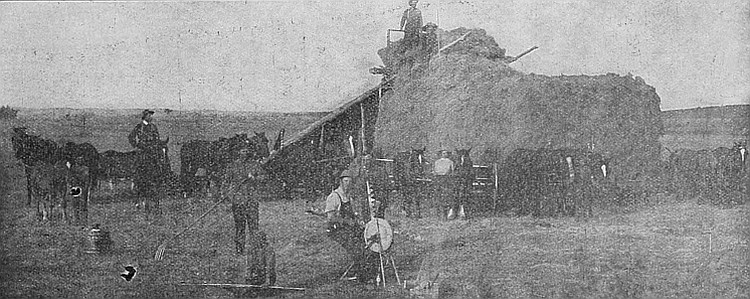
(344, 227)
(144, 132)
(411, 24)
(242, 178)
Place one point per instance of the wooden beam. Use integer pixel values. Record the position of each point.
(330, 116)
(235, 285)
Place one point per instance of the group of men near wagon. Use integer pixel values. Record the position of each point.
(243, 176)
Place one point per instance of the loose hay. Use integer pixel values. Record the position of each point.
(469, 97)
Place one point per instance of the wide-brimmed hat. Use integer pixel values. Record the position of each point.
(146, 112)
(346, 173)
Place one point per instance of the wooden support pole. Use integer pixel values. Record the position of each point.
(494, 187)
(362, 127)
(322, 133)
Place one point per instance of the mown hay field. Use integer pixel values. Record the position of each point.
(659, 249)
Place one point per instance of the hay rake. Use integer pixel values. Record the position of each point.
(159, 255)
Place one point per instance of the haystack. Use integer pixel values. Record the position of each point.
(468, 96)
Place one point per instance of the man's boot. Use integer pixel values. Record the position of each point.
(461, 212)
(451, 214)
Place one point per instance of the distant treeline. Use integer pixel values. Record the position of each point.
(6, 112)
(726, 120)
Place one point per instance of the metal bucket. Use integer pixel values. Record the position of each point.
(99, 241)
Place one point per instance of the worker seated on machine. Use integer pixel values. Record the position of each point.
(345, 229)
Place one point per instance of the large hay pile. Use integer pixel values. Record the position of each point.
(468, 96)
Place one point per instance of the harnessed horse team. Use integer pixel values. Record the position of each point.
(63, 176)
(202, 163)
(710, 175)
(57, 175)
(542, 182)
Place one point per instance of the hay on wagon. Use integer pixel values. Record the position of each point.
(469, 96)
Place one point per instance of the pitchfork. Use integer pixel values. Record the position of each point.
(160, 250)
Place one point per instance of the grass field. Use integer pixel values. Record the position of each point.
(661, 248)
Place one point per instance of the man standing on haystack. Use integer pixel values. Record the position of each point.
(243, 177)
(429, 44)
(411, 24)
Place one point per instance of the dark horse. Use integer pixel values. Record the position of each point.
(33, 150)
(551, 181)
(465, 176)
(206, 160)
(118, 165)
(589, 180)
(83, 154)
(730, 167)
(153, 171)
(259, 145)
(410, 177)
(694, 173)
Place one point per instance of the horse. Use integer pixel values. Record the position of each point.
(465, 176)
(682, 170)
(78, 186)
(552, 181)
(730, 164)
(205, 161)
(519, 180)
(118, 165)
(589, 177)
(83, 154)
(46, 187)
(410, 177)
(259, 146)
(694, 173)
(153, 171)
(195, 162)
(555, 177)
(33, 150)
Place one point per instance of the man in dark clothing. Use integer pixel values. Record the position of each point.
(144, 132)
(411, 24)
(429, 41)
(242, 179)
(140, 137)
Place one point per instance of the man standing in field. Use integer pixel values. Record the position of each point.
(443, 171)
(243, 177)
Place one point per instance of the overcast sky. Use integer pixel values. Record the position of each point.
(313, 55)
